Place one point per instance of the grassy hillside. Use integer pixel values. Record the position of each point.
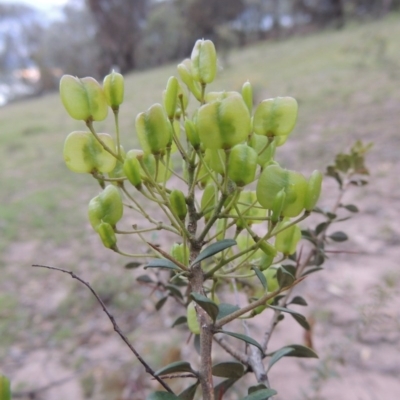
(347, 84)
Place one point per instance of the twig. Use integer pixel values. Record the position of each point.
(117, 329)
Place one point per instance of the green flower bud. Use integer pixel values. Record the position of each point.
(113, 86)
(208, 200)
(223, 124)
(214, 96)
(275, 117)
(153, 130)
(132, 168)
(84, 154)
(247, 94)
(191, 133)
(272, 180)
(149, 161)
(171, 97)
(204, 61)
(192, 321)
(215, 159)
(286, 240)
(185, 73)
(83, 99)
(107, 235)
(277, 205)
(266, 261)
(5, 391)
(259, 144)
(181, 253)
(242, 164)
(106, 207)
(220, 228)
(313, 190)
(178, 204)
(272, 279)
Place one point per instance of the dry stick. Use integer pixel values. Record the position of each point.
(117, 329)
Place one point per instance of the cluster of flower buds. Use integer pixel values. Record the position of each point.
(227, 148)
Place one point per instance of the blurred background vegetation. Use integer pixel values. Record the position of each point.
(340, 60)
(93, 36)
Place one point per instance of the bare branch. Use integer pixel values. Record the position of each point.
(117, 329)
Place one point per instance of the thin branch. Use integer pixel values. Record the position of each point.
(239, 355)
(117, 329)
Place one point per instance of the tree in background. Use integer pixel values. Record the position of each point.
(119, 24)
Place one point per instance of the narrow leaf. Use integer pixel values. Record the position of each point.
(178, 366)
(262, 394)
(226, 309)
(283, 309)
(320, 227)
(174, 290)
(285, 278)
(338, 236)
(161, 263)
(245, 338)
(144, 279)
(260, 276)
(162, 396)
(133, 264)
(298, 300)
(298, 351)
(196, 343)
(161, 302)
(301, 319)
(206, 304)
(350, 207)
(278, 355)
(222, 388)
(312, 270)
(180, 320)
(189, 393)
(256, 388)
(230, 369)
(214, 249)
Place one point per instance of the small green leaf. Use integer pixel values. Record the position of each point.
(298, 300)
(196, 343)
(226, 309)
(320, 227)
(278, 355)
(189, 393)
(160, 303)
(230, 369)
(245, 338)
(206, 304)
(298, 351)
(283, 309)
(301, 319)
(214, 249)
(256, 388)
(162, 396)
(260, 276)
(285, 278)
(350, 207)
(180, 320)
(161, 263)
(222, 388)
(144, 279)
(338, 236)
(178, 366)
(174, 290)
(133, 264)
(312, 270)
(262, 394)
